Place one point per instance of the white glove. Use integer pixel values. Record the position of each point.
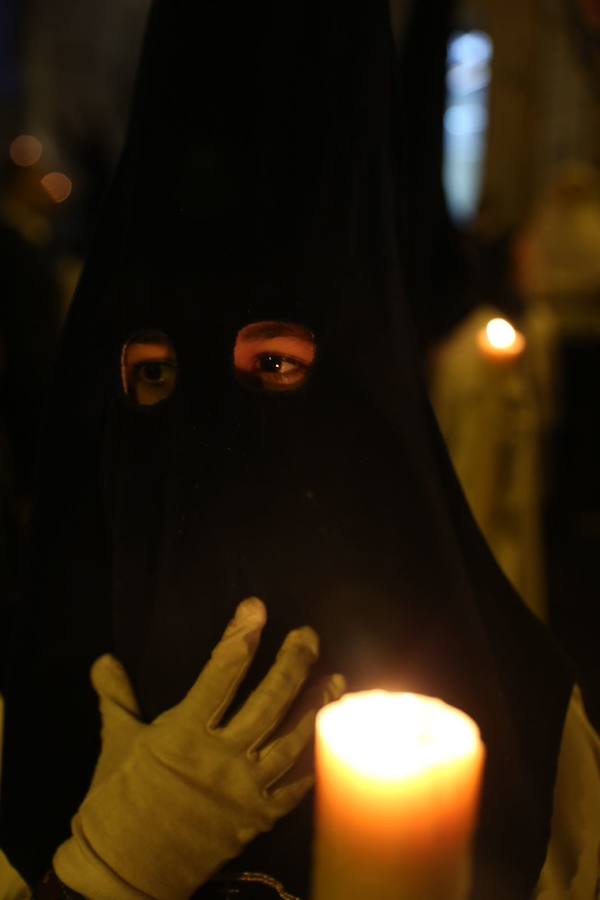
(172, 801)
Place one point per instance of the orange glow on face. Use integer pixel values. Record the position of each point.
(499, 339)
(57, 186)
(274, 356)
(25, 150)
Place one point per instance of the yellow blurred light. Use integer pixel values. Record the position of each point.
(57, 186)
(25, 150)
(387, 736)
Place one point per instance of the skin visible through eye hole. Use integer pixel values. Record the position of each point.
(274, 356)
(149, 369)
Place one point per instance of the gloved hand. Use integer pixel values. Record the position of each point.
(172, 801)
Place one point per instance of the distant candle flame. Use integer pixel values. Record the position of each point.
(500, 334)
(25, 150)
(499, 339)
(386, 736)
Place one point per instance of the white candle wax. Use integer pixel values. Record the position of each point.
(398, 779)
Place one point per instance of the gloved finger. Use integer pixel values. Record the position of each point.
(285, 799)
(219, 680)
(278, 757)
(112, 684)
(267, 705)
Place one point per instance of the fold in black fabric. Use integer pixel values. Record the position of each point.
(257, 184)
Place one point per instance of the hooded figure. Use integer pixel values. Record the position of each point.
(237, 410)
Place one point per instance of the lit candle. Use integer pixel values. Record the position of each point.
(499, 341)
(398, 779)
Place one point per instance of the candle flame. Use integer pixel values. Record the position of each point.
(396, 735)
(499, 340)
(500, 334)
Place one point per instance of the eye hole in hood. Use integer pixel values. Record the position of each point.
(148, 368)
(274, 356)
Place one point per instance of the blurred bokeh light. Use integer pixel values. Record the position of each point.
(465, 121)
(25, 150)
(57, 186)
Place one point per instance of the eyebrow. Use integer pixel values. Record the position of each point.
(263, 330)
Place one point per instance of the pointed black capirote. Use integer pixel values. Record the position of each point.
(257, 184)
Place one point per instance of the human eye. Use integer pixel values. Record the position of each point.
(278, 370)
(148, 368)
(274, 356)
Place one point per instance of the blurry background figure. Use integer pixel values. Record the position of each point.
(525, 437)
(457, 256)
(523, 428)
(484, 401)
(559, 270)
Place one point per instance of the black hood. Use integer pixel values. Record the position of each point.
(257, 185)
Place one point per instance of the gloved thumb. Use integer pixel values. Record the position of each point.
(120, 714)
(112, 684)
